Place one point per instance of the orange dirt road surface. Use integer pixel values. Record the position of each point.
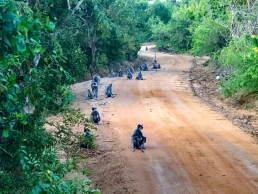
(190, 148)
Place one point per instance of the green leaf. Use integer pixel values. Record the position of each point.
(8, 27)
(13, 40)
(6, 133)
(85, 172)
(20, 45)
(37, 49)
(26, 53)
(33, 41)
(12, 77)
(6, 40)
(50, 26)
(47, 19)
(19, 116)
(24, 122)
(9, 17)
(2, 79)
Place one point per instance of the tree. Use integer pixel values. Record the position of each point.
(32, 88)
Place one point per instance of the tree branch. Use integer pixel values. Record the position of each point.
(77, 6)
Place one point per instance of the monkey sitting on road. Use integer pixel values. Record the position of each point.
(145, 67)
(90, 95)
(154, 66)
(109, 91)
(112, 74)
(120, 73)
(139, 76)
(129, 75)
(95, 115)
(137, 139)
(95, 88)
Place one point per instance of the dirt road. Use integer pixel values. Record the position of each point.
(190, 148)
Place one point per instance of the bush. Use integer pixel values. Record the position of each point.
(242, 55)
(209, 37)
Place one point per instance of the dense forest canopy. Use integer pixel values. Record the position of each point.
(46, 46)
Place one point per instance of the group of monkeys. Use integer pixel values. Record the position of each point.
(137, 138)
(130, 71)
(95, 87)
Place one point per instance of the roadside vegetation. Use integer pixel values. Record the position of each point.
(46, 46)
(225, 30)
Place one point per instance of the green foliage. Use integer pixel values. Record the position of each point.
(190, 29)
(34, 84)
(209, 37)
(162, 11)
(242, 55)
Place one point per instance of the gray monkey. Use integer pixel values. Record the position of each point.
(90, 95)
(129, 75)
(95, 115)
(139, 76)
(109, 91)
(131, 69)
(112, 74)
(145, 67)
(96, 78)
(120, 73)
(137, 139)
(94, 88)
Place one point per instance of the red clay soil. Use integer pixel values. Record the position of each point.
(190, 148)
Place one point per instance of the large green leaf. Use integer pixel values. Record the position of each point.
(20, 44)
(9, 17)
(8, 27)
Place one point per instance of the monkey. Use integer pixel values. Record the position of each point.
(120, 73)
(154, 66)
(89, 138)
(158, 66)
(140, 68)
(137, 139)
(139, 76)
(96, 78)
(95, 115)
(145, 67)
(109, 91)
(112, 74)
(90, 95)
(129, 75)
(94, 89)
(131, 69)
